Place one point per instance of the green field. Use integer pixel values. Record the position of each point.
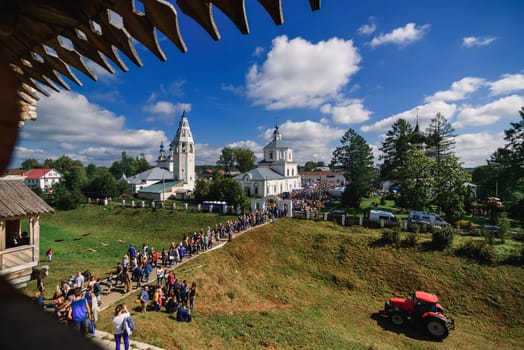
(296, 284)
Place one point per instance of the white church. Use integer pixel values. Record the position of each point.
(275, 174)
(174, 175)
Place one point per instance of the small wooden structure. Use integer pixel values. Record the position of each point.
(20, 210)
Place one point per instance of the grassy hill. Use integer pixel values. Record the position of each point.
(306, 285)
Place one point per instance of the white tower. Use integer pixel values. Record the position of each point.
(183, 153)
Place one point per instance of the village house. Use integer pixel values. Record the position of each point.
(43, 178)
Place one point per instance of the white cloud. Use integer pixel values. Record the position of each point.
(310, 140)
(259, 51)
(402, 36)
(298, 73)
(206, 154)
(368, 28)
(70, 121)
(425, 112)
(475, 149)
(459, 90)
(489, 113)
(349, 112)
(471, 41)
(252, 145)
(166, 111)
(508, 83)
(237, 90)
(101, 73)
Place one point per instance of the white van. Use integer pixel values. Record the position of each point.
(421, 217)
(377, 215)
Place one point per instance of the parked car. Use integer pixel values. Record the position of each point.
(421, 217)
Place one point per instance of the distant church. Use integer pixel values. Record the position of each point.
(174, 174)
(275, 174)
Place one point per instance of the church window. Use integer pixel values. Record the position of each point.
(190, 148)
(287, 172)
(292, 172)
(270, 155)
(183, 148)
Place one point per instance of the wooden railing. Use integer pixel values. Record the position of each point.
(21, 257)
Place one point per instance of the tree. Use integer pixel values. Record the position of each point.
(75, 178)
(506, 167)
(30, 163)
(202, 189)
(355, 159)
(441, 137)
(239, 158)
(125, 166)
(64, 163)
(453, 193)
(441, 143)
(90, 169)
(227, 159)
(415, 181)
(245, 159)
(228, 190)
(102, 185)
(394, 148)
(142, 164)
(310, 165)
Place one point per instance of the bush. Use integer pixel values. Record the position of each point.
(411, 240)
(442, 238)
(391, 236)
(477, 250)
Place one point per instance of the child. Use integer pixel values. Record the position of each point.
(50, 253)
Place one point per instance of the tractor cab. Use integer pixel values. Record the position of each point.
(425, 302)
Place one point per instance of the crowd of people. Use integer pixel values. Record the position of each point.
(310, 199)
(76, 300)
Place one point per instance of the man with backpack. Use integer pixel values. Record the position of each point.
(79, 313)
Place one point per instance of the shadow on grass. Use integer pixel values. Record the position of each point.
(409, 330)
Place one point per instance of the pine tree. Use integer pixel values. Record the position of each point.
(355, 159)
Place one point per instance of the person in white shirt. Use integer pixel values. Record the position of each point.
(122, 328)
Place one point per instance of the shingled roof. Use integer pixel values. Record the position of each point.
(40, 40)
(16, 200)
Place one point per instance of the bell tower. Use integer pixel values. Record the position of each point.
(183, 153)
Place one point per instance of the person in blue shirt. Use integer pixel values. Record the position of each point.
(183, 315)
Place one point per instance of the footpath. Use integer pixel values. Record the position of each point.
(105, 339)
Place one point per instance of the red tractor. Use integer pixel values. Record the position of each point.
(424, 310)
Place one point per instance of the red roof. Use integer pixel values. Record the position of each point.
(37, 173)
(14, 172)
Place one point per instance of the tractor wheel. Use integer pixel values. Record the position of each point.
(398, 318)
(437, 328)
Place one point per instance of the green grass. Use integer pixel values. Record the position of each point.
(298, 284)
(95, 237)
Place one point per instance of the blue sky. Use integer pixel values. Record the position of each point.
(359, 65)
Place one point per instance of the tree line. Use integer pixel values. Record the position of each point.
(422, 169)
(425, 173)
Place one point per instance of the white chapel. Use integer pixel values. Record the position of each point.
(275, 174)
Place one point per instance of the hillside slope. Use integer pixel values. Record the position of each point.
(308, 285)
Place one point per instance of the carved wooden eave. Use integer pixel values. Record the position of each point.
(40, 40)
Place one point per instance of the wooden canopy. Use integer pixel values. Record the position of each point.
(40, 40)
(18, 200)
